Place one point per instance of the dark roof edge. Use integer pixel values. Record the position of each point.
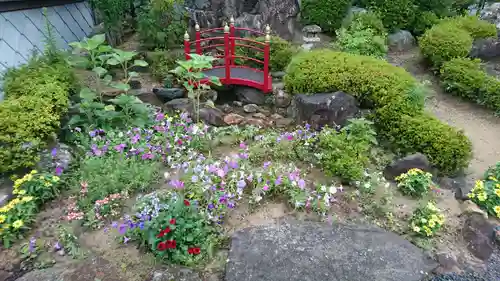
(17, 5)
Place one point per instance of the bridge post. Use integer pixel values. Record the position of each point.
(227, 54)
(198, 37)
(266, 57)
(232, 37)
(187, 46)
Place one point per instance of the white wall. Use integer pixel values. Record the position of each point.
(21, 32)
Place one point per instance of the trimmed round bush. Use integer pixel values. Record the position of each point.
(476, 27)
(328, 14)
(444, 42)
(398, 117)
(281, 52)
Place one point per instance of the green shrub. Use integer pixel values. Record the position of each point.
(398, 117)
(396, 14)
(367, 19)
(476, 27)
(423, 21)
(444, 42)
(36, 98)
(328, 14)
(280, 53)
(162, 62)
(466, 78)
(440, 8)
(486, 192)
(415, 183)
(361, 42)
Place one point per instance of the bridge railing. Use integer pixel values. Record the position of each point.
(230, 42)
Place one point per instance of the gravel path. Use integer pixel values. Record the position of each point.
(479, 124)
(482, 128)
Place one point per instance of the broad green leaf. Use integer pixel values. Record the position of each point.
(215, 80)
(75, 45)
(96, 40)
(113, 61)
(121, 86)
(100, 71)
(140, 63)
(87, 94)
(107, 79)
(133, 74)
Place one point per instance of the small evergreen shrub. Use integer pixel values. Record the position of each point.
(361, 41)
(281, 52)
(423, 21)
(444, 42)
(476, 27)
(396, 14)
(36, 98)
(328, 14)
(398, 116)
(369, 20)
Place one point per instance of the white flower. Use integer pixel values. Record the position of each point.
(323, 188)
(333, 190)
(258, 198)
(367, 185)
(166, 175)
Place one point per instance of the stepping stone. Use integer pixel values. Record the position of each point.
(292, 250)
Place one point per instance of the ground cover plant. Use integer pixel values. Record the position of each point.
(486, 192)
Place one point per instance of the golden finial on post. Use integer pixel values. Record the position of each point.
(186, 36)
(231, 20)
(268, 33)
(226, 28)
(197, 27)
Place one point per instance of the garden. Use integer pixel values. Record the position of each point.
(122, 165)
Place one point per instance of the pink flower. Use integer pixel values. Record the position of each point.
(265, 188)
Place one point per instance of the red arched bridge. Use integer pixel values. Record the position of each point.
(230, 73)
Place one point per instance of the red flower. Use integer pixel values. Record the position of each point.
(166, 230)
(196, 251)
(171, 244)
(186, 202)
(179, 142)
(190, 251)
(163, 232)
(172, 221)
(161, 246)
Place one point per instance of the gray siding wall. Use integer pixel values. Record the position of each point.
(22, 32)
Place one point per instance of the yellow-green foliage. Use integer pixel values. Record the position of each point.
(452, 38)
(398, 117)
(466, 78)
(36, 98)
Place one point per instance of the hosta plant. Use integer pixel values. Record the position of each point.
(415, 182)
(426, 220)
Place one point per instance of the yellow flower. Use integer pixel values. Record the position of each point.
(4, 209)
(42, 177)
(21, 192)
(34, 172)
(497, 192)
(423, 220)
(17, 224)
(2, 218)
(416, 229)
(56, 178)
(482, 197)
(479, 185)
(471, 195)
(432, 207)
(6, 226)
(497, 210)
(47, 184)
(427, 230)
(432, 224)
(27, 199)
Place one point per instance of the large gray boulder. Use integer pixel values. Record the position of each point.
(293, 250)
(401, 40)
(332, 109)
(403, 165)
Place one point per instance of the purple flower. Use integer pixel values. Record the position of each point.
(53, 152)
(302, 183)
(194, 178)
(146, 156)
(141, 225)
(59, 171)
(210, 206)
(106, 230)
(114, 224)
(78, 129)
(221, 173)
(307, 127)
(278, 181)
(241, 184)
(125, 239)
(57, 246)
(92, 133)
(160, 116)
(120, 147)
(233, 164)
(267, 164)
(230, 205)
(32, 244)
(122, 229)
(177, 184)
(243, 145)
(136, 138)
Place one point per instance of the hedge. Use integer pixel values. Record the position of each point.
(36, 98)
(328, 14)
(453, 37)
(466, 78)
(399, 118)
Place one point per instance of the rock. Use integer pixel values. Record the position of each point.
(59, 155)
(479, 235)
(5, 191)
(334, 109)
(259, 115)
(448, 263)
(457, 184)
(281, 98)
(398, 167)
(281, 111)
(491, 14)
(233, 119)
(469, 207)
(485, 48)
(149, 97)
(497, 234)
(248, 95)
(255, 122)
(237, 103)
(209, 95)
(227, 108)
(278, 74)
(212, 116)
(4, 275)
(276, 116)
(264, 111)
(178, 275)
(293, 250)
(401, 40)
(168, 94)
(135, 84)
(183, 104)
(283, 122)
(250, 108)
